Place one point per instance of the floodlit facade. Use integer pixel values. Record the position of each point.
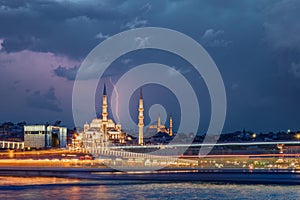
(162, 128)
(45, 136)
(101, 131)
(141, 119)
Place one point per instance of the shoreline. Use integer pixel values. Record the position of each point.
(239, 176)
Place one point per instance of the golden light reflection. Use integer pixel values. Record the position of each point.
(15, 181)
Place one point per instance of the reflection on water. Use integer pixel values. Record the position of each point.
(76, 189)
(23, 181)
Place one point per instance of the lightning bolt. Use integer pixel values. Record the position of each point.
(117, 100)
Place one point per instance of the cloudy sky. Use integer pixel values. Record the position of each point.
(254, 43)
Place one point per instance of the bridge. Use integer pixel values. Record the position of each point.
(107, 151)
(119, 150)
(11, 145)
(166, 146)
(169, 152)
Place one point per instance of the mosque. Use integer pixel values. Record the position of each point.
(103, 131)
(159, 128)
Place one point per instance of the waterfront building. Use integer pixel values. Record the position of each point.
(44, 136)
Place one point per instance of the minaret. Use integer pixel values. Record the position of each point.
(104, 105)
(141, 119)
(104, 114)
(171, 126)
(158, 123)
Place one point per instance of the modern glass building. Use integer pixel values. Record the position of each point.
(45, 136)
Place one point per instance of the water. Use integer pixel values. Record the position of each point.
(62, 188)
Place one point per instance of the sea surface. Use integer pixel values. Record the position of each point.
(64, 188)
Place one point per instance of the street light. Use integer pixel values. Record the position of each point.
(298, 136)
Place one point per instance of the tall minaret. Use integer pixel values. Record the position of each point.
(104, 115)
(104, 105)
(158, 123)
(171, 126)
(141, 119)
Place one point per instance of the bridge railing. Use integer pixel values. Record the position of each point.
(11, 145)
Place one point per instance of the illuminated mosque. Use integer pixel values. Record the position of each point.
(103, 131)
(162, 128)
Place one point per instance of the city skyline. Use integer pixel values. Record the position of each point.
(255, 51)
(151, 99)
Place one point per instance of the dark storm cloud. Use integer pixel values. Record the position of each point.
(44, 100)
(282, 25)
(19, 43)
(63, 27)
(68, 73)
(70, 28)
(255, 44)
(282, 34)
(60, 10)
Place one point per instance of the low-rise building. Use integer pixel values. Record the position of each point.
(45, 136)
